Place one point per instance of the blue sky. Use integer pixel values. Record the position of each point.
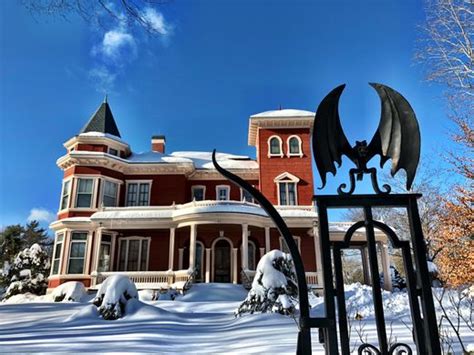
(215, 64)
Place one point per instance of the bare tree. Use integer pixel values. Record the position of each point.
(446, 46)
(137, 13)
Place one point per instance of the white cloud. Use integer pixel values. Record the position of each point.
(156, 21)
(117, 45)
(41, 215)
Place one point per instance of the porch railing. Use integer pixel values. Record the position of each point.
(248, 276)
(180, 279)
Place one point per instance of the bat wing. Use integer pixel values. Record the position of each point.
(398, 134)
(329, 140)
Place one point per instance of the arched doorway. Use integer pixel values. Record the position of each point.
(221, 260)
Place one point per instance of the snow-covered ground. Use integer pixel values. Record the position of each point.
(202, 321)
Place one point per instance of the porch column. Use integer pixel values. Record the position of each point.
(387, 277)
(267, 239)
(208, 265)
(171, 252)
(365, 265)
(317, 253)
(245, 246)
(192, 246)
(262, 253)
(234, 265)
(180, 258)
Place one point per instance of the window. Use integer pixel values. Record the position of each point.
(77, 253)
(222, 192)
(105, 253)
(84, 193)
(113, 151)
(109, 194)
(287, 193)
(199, 260)
(133, 254)
(294, 146)
(65, 194)
(198, 193)
(138, 194)
(57, 254)
(284, 247)
(287, 189)
(275, 146)
(246, 196)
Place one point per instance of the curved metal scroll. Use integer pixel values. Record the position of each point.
(304, 336)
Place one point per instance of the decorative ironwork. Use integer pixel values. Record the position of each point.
(397, 138)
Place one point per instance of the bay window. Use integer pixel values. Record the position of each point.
(105, 253)
(109, 194)
(58, 247)
(84, 193)
(77, 253)
(65, 195)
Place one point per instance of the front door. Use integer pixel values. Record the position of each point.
(222, 261)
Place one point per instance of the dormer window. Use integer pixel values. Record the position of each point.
(222, 192)
(198, 193)
(275, 147)
(287, 189)
(294, 146)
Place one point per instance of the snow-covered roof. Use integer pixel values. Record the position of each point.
(203, 160)
(285, 113)
(102, 135)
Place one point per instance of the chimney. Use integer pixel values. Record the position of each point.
(158, 144)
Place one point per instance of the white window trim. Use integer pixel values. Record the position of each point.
(102, 189)
(285, 178)
(270, 148)
(300, 145)
(139, 252)
(195, 187)
(86, 251)
(61, 253)
(111, 262)
(296, 238)
(94, 196)
(254, 254)
(225, 187)
(149, 182)
(242, 197)
(71, 182)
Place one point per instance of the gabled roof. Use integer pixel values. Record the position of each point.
(102, 121)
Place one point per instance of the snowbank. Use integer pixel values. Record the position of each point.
(72, 291)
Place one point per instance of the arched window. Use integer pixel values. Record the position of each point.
(275, 147)
(294, 146)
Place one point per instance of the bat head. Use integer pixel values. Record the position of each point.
(361, 148)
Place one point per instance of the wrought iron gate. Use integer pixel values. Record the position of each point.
(425, 329)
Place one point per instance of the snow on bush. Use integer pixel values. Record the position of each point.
(274, 287)
(72, 291)
(113, 295)
(27, 271)
(398, 281)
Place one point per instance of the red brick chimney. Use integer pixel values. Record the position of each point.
(158, 144)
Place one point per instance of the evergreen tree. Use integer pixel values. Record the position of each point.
(34, 234)
(11, 242)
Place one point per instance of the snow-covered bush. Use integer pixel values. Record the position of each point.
(72, 291)
(274, 287)
(113, 295)
(27, 272)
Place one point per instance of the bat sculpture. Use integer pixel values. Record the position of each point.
(397, 138)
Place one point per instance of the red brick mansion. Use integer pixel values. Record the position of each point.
(160, 217)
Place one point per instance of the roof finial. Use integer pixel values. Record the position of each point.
(105, 98)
